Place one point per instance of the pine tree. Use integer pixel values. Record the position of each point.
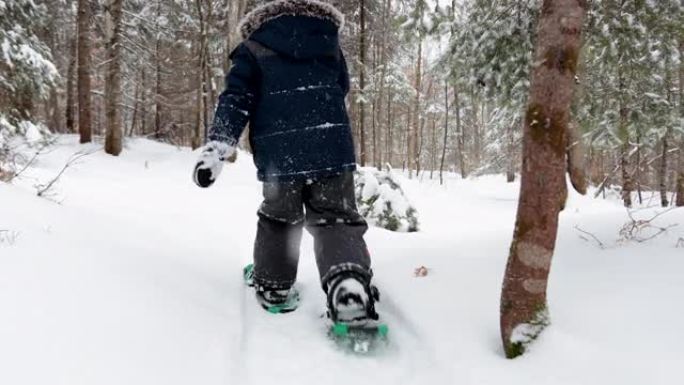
(492, 49)
(27, 72)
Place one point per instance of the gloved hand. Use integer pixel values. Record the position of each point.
(210, 163)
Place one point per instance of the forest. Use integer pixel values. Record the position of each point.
(560, 122)
(434, 86)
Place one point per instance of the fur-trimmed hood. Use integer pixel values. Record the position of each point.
(275, 9)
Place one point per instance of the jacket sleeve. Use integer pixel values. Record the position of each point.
(236, 103)
(344, 74)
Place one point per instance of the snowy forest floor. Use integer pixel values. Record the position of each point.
(135, 278)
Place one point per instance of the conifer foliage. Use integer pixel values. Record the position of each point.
(27, 71)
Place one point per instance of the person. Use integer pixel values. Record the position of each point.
(289, 80)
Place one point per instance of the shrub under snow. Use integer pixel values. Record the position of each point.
(382, 202)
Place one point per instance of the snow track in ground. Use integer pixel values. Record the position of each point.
(136, 279)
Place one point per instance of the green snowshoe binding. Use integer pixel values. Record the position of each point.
(273, 301)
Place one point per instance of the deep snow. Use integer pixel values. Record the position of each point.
(135, 278)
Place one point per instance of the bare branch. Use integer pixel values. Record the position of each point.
(42, 190)
(591, 236)
(33, 159)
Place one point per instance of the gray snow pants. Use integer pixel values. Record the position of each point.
(327, 208)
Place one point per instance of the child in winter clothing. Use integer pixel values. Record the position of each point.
(289, 80)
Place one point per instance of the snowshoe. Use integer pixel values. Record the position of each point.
(354, 323)
(273, 301)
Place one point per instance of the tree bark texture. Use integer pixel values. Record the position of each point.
(84, 67)
(460, 136)
(627, 185)
(680, 167)
(362, 83)
(446, 131)
(662, 173)
(70, 113)
(576, 160)
(523, 298)
(680, 178)
(414, 130)
(114, 132)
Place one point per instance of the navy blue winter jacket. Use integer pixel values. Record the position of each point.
(289, 80)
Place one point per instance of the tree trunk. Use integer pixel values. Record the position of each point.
(362, 82)
(626, 177)
(523, 298)
(460, 137)
(390, 137)
(627, 182)
(680, 177)
(114, 133)
(383, 80)
(680, 166)
(446, 130)
(662, 173)
(414, 131)
(477, 137)
(374, 110)
(157, 101)
(637, 170)
(84, 67)
(433, 148)
(576, 163)
(510, 171)
(143, 104)
(136, 108)
(70, 112)
(157, 87)
(201, 95)
(421, 133)
(374, 139)
(228, 32)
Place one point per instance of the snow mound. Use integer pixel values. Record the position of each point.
(383, 203)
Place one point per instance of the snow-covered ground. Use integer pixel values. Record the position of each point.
(135, 278)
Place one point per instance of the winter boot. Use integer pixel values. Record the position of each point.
(274, 301)
(351, 299)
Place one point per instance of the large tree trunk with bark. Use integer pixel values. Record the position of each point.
(84, 67)
(523, 298)
(114, 133)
